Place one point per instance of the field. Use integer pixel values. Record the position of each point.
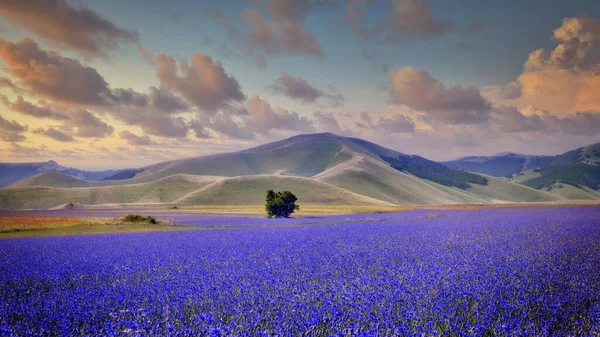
(482, 272)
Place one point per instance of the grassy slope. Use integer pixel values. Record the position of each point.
(250, 190)
(12, 172)
(573, 193)
(378, 180)
(53, 179)
(525, 175)
(504, 190)
(163, 190)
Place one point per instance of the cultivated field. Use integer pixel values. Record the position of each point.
(479, 272)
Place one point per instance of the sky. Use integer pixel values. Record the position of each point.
(98, 84)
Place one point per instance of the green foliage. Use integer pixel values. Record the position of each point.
(280, 204)
(576, 175)
(430, 170)
(136, 218)
(568, 158)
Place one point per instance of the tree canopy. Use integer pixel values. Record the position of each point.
(281, 204)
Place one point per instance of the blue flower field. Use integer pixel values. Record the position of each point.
(501, 272)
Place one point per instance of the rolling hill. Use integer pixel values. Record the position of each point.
(319, 168)
(13, 172)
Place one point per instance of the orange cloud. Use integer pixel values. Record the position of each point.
(419, 91)
(562, 81)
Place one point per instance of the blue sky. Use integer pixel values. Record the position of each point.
(490, 58)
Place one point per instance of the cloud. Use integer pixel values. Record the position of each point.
(10, 131)
(255, 116)
(415, 19)
(50, 75)
(564, 80)
(151, 120)
(510, 119)
(22, 106)
(54, 134)
(454, 105)
(297, 9)
(78, 28)
(6, 82)
(77, 121)
(280, 36)
(409, 20)
(511, 90)
(145, 55)
(327, 122)
(133, 139)
(199, 129)
(283, 32)
(65, 80)
(397, 124)
(202, 82)
(576, 36)
(164, 101)
(11, 126)
(299, 89)
(82, 123)
(225, 125)
(562, 91)
(263, 118)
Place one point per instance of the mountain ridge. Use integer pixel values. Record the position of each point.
(323, 168)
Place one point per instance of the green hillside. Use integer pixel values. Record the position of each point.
(578, 175)
(585, 155)
(53, 179)
(160, 191)
(250, 190)
(320, 169)
(435, 172)
(377, 179)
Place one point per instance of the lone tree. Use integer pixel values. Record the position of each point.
(281, 204)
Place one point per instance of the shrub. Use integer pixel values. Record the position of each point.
(280, 204)
(139, 218)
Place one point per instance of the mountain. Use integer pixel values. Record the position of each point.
(578, 168)
(319, 168)
(13, 172)
(510, 164)
(500, 165)
(584, 155)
